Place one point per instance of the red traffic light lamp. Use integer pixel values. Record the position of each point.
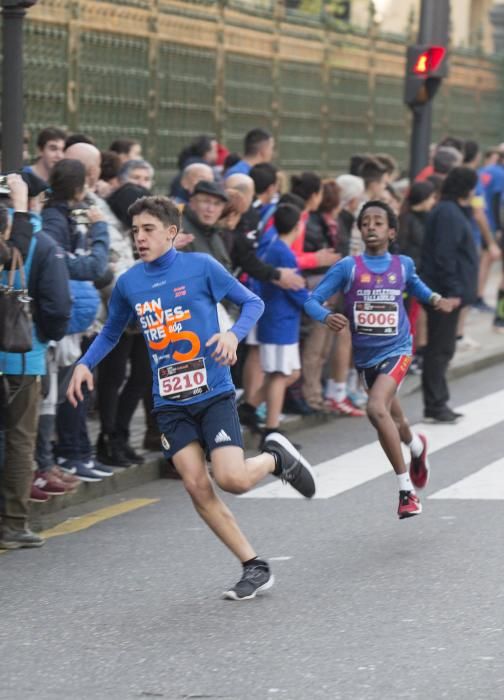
(426, 67)
(429, 61)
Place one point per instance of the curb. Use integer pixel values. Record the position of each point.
(47, 514)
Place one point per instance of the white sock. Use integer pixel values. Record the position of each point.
(336, 390)
(405, 482)
(353, 380)
(416, 445)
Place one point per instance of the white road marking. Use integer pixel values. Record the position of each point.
(487, 484)
(358, 466)
(279, 558)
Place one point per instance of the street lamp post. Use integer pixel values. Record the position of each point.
(13, 12)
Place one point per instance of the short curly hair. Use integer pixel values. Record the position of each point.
(391, 217)
(161, 208)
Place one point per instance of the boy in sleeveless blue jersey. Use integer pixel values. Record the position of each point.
(373, 286)
(174, 299)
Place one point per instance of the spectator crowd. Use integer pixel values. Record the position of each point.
(67, 213)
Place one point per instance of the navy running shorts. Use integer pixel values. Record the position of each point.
(213, 423)
(395, 367)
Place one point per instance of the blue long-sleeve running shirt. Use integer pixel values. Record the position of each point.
(174, 300)
(340, 278)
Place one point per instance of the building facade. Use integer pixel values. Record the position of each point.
(165, 71)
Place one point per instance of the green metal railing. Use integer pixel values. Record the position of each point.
(133, 76)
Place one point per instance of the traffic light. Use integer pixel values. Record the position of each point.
(426, 66)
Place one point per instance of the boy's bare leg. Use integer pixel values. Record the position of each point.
(341, 358)
(379, 406)
(234, 473)
(484, 272)
(191, 465)
(276, 386)
(401, 421)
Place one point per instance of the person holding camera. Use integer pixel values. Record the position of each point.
(46, 276)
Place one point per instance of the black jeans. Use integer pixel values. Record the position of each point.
(440, 348)
(116, 407)
(71, 424)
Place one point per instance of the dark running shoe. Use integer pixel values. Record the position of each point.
(409, 505)
(419, 466)
(256, 577)
(296, 471)
(131, 454)
(444, 415)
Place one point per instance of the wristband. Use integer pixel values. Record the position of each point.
(435, 299)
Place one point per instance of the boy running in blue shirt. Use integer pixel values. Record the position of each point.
(373, 286)
(174, 298)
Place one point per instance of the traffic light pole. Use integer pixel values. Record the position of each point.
(13, 12)
(434, 24)
(421, 134)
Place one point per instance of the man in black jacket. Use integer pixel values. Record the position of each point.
(450, 266)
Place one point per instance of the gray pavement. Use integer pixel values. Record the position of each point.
(365, 607)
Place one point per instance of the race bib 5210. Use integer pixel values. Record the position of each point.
(183, 380)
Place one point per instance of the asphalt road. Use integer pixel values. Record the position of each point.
(365, 607)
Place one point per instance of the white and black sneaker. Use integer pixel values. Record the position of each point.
(294, 468)
(256, 577)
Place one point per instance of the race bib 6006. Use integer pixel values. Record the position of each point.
(376, 317)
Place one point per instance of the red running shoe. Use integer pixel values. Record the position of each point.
(345, 408)
(409, 505)
(419, 467)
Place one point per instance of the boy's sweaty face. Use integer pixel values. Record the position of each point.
(375, 230)
(152, 238)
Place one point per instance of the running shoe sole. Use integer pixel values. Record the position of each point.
(441, 422)
(231, 595)
(426, 463)
(18, 545)
(287, 445)
(101, 473)
(403, 516)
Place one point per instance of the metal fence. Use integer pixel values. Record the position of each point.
(164, 71)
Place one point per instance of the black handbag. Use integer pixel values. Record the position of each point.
(15, 310)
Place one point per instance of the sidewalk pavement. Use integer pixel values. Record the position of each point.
(488, 350)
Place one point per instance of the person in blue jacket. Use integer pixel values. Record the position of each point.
(86, 247)
(174, 298)
(278, 328)
(48, 287)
